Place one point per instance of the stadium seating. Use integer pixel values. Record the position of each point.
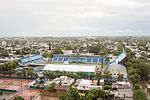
(87, 59)
(31, 59)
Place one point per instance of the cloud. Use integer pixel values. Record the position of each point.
(79, 17)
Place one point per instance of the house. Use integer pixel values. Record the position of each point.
(63, 80)
(121, 85)
(83, 84)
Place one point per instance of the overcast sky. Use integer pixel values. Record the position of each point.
(74, 17)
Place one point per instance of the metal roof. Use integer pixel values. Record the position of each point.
(69, 68)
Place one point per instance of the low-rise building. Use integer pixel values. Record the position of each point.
(71, 68)
(83, 84)
(63, 80)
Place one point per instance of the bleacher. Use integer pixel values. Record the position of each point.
(77, 59)
(119, 58)
(31, 59)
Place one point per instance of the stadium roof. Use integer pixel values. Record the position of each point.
(31, 59)
(77, 58)
(69, 68)
(119, 58)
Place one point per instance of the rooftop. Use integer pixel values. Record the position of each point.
(69, 68)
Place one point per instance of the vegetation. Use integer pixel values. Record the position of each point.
(139, 66)
(8, 68)
(95, 94)
(47, 54)
(71, 94)
(98, 49)
(18, 52)
(51, 86)
(106, 87)
(140, 95)
(138, 92)
(52, 75)
(57, 51)
(4, 53)
(138, 69)
(18, 98)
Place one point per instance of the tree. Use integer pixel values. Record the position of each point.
(4, 53)
(94, 49)
(135, 78)
(51, 86)
(131, 71)
(8, 68)
(96, 94)
(143, 69)
(47, 54)
(57, 51)
(136, 86)
(19, 74)
(29, 72)
(107, 87)
(71, 94)
(17, 52)
(140, 95)
(18, 98)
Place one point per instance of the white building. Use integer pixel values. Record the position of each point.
(70, 68)
(83, 84)
(67, 52)
(121, 85)
(63, 80)
(4, 43)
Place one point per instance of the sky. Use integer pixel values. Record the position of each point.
(74, 18)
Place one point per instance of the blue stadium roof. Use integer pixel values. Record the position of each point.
(31, 59)
(77, 58)
(119, 58)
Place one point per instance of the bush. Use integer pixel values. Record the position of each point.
(140, 95)
(107, 87)
(51, 86)
(18, 98)
(136, 86)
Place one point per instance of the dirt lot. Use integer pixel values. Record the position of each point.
(29, 93)
(13, 84)
(20, 85)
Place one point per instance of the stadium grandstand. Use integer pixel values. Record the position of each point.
(119, 58)
(31, 59)
(87, 59)
(78, 59)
